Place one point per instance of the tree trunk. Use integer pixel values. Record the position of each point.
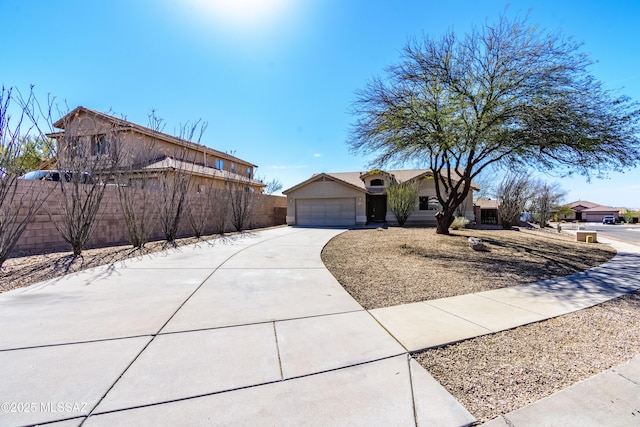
(445, 219)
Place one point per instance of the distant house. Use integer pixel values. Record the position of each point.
(486, 211)
(589, 212)
(149, 151)
(349, 199)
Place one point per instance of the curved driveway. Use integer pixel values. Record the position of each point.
(249, 330)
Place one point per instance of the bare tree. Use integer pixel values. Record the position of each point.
(273, 186)
(402, 198)
(242, 200)
(175, 180)
(135, 185)
(19, 200)
(88, 155)
(513, 193)
(200, 212)
(220, 210)
(546, 201)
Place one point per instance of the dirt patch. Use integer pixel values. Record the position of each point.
(499, 373)
(386, 267)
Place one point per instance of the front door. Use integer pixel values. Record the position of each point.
(376, 208)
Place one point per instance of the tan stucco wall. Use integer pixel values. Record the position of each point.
(326, 190)
(111, 226)
(427, 217)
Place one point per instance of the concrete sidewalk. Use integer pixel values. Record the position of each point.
(245, 331)
(435, 323)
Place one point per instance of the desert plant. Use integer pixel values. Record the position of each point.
(514, 192)
(19, 201)
(402, 198)
(135, 185)
(242, 200)
(459, 222)
(88, 153)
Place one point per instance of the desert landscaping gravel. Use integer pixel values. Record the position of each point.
(498, 373)
(386, 267)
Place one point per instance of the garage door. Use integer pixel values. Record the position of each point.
(326, 212)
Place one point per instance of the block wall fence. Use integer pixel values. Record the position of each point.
(111, 228)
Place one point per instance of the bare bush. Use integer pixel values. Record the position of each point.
(18, 206)
(242, 201)
(514, 192)
(175, 180)
(220, 210)
(546, 201)
(135, 186)
(200, 211)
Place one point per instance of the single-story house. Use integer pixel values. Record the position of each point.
(589, 212)
(350, 199)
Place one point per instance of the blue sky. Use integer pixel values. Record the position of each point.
(275, 79)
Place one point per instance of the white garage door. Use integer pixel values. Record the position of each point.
(326, 212)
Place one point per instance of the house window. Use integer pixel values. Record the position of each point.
(101, 145)
(429, 203)
(233, 167)
(377, 183)
(249, 172)
(219, 164)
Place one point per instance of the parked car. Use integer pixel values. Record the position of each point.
(54, 175)
(609, 219)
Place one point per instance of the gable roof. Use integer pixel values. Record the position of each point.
(356, 181)
(125, 125)
(164, 163)
(590, 207)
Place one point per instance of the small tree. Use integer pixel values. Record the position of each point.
(171, 190)
(135, 186)
(242, 200)
(200, 211)
(273, 186)
(175, 181)
(545, 201)
(402, 198)
(19, 201)
(85, 164)
(513, 194)
(563, 212)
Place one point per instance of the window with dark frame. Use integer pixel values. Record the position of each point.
(377, 183)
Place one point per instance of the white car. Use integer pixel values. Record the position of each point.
(609, 219)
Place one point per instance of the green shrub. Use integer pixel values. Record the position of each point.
(459, 222)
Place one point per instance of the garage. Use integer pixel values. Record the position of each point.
(335, 212)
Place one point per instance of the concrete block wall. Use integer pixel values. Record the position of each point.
(111, 228)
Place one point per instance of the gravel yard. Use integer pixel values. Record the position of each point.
(494, 374)
(386, 267)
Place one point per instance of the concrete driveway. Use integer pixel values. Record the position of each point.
(250, 330)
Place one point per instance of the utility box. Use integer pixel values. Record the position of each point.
(581, 236)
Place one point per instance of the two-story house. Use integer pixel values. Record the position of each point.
(145, 150)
